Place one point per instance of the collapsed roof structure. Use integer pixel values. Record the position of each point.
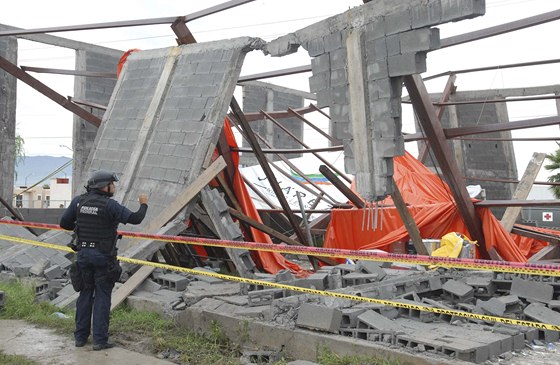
(166, 126)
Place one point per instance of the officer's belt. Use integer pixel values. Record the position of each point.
(87, 244)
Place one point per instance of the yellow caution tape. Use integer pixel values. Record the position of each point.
(470, 264)
(449, 312)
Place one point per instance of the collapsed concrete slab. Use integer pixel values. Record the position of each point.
(23, 257)
(164, 118)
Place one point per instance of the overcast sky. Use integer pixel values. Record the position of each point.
(45, 126)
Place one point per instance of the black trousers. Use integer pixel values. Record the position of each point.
(94, 302)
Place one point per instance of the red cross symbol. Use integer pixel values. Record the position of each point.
(547, 216)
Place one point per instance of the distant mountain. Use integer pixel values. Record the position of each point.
(35, 168)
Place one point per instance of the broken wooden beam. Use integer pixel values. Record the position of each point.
(522, 190)
(272, 232)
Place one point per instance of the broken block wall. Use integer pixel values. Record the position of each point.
(256, 98)
(358, 59)
(484, 159)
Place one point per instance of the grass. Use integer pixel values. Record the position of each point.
(327, 357)
(6, 359)
(147, 332)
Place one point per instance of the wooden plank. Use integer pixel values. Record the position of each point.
(131, 284)
(165, 216)
(408, 221)
(187, 195)
(522, 190)
(272, 232)
(547, 253)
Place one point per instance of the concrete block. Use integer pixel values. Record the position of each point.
(357, 278)
(319, 317)
(493, 307)
(423, 16)
(375, 29)
(455, 10)
(321, 64)
(350, 317)
(172, 281)
(265, 296)
(532, 290)
(484, 287)
(407, 64)
(393, 44)
(53, 272)
(398, 22)
(318, 280)
(332, 41)
(315, 47)
(374, 320)
(415, 314)
(39, 267)
(41, 287)
(283, 276)
(457, 291)
(371, 267)
(21, 271)
(542, 314)
(419, 40)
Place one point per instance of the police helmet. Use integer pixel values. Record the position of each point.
(101, 178)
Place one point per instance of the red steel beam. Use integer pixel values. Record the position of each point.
(48, 92)
(130, 23)
(500, 29)
(444, 155)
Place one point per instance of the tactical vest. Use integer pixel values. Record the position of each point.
(95, 228)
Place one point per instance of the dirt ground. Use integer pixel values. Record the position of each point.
(47, 347)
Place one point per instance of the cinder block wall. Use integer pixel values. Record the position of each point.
(96, 90)
(8, 50)
(485, 159)
(257, 98)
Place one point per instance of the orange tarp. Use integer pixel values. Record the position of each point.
(432, 207)
(271, 262)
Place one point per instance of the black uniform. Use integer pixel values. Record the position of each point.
(95, 218)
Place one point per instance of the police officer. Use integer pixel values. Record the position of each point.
(95, 217)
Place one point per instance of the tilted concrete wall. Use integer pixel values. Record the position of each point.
(256, 98)
(96, 90)
(8, 92)
(164, 119)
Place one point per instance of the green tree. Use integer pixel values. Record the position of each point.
(554, 166)
(20, 151)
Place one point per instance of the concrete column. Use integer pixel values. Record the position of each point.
(8, 50)
(96, 90)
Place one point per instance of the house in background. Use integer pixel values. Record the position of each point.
(56, 194)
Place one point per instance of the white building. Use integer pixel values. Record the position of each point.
(56, 194)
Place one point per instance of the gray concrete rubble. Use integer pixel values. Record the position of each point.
(413, 331)
(371, 47)
(406, 329)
